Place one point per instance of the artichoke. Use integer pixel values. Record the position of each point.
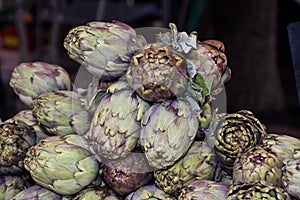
(127, 174)
(257, 164)
(37, 192)
(29, 80)
(157, 73)
(236, 133)
(62, 112)
(149, 192)
(15, 140)
(62, 164)
(205, 189)
(256, 190)
(168, 130)
(103, 48)
(10, 186)
(199, 162)
(291, 177)
(115, 126)
(286, 147)
(101, 193)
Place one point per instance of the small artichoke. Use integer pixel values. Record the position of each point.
(62, 112)
(149, 192)
(291, 177)
(10, 186)
(115, 126)
(286, 147)
(127, 174)
(168, 130)
(101, 193)
(199, 162)
(15, 140)
(235, 134)
(29, 80)
(62, 164)
(103, 48)
(205, 189)
(37, 192)
(157, 73)
(257, 164)
(256, 190)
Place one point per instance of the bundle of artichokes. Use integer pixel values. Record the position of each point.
(145, 127)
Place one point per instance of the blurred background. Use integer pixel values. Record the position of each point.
(254, 34)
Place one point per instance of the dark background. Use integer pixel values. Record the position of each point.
(254, 34)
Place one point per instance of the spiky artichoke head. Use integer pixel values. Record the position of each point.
(11, 185)
(100, 193)
(37, 192)
(291, 177)
(149, 192)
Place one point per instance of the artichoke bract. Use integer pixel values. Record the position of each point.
(62, 112)
(10, 186)
(286, 147)
(291, 177)
(115, 126)
(101, 193)
(199, 163)
(104, 48)
(15, 140)
(149, 192)
(168, 130)
(37, 192)
(235, 134)
(205, 189)
(256, 190)
(257, 164)
(62, 164)
(157, 73)
(29, 80)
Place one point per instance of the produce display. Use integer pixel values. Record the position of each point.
(145, 127)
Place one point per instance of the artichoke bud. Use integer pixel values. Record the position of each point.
(291, 177)
(100, 193)
(149, 192)
(37, 192)
(11, 185)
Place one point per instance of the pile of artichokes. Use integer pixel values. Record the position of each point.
(145, 127)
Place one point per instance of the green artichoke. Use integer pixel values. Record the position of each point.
(149, 192)
(37, 192)
(199, 162)
(157, 73)
(205, 189)
(286, 147)
(235, 134)
(127, 174)
(29, 80)
(101, 193)
(15, 140)
(257, 164)
(62, 164)
(115, 126)
(291, 177)
(62, 113)
(103, 48)
(256, 190)
(168, 130)
(10, 186)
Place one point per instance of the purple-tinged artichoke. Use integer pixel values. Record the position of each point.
(149, 192)
(100, 193)
(62, 113)
(157, 73)
(199, 163)
(29, 80)
(256, 190)
(116, 125)
(37, 192)
(103, 48)
(286, 147)
(205, 189)
(291, 177)
(127, 174)
(257, 164)
(62, 164)
(168, 131)
(236, 133)
(10, 186)
(15, 140)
